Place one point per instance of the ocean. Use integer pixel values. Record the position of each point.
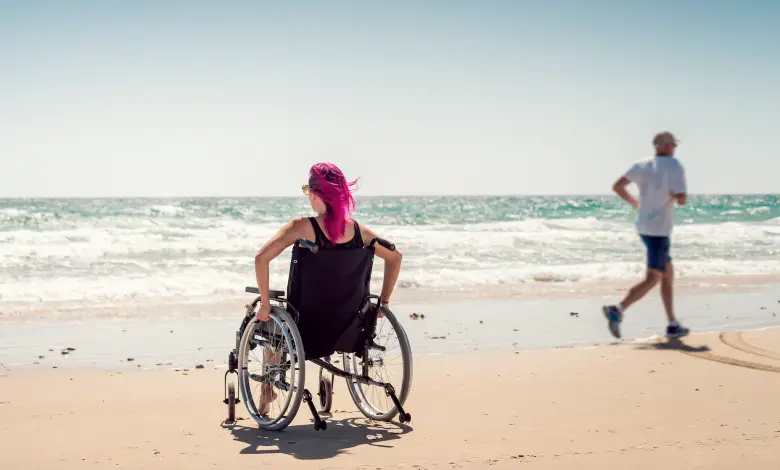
(118, 251)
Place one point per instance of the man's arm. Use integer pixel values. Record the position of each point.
(620, 189)
(678, 187)
(681, 198)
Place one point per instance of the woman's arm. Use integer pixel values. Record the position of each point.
(392, 265)
(285, 237)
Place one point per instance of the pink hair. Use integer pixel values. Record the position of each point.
(328, 182)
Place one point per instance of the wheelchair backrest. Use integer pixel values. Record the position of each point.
(329, 292)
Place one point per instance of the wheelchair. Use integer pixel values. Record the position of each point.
(328, 310)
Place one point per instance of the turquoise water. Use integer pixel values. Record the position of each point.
(138, 250)
(45, 214)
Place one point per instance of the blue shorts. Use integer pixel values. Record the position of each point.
(657, 251)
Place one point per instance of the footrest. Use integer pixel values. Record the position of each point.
(318, 422)
(403, 416)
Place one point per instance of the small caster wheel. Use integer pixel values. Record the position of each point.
(406, 418)
(326, 394)
(231, 402)
(322, 425)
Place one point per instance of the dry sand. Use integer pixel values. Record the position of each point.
(711, 403)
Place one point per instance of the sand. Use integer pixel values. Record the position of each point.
(708, 403)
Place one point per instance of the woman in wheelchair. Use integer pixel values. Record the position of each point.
(330, 196)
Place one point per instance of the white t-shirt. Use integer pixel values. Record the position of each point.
(656, 178)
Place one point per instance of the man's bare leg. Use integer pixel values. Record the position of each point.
(641, 289)
(614, 313)
(667, 293)
(674, 329)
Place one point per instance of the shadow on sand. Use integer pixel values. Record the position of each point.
(304, 443)
(673, 345)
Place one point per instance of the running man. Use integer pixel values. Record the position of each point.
(661, 182)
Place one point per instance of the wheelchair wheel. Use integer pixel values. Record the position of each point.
(231, 399)
(393, 366)
(325, 393)
(271, 370)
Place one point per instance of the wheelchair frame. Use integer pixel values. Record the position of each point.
(231, 398)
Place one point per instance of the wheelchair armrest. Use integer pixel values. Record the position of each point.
(383, 242)
(271, 293)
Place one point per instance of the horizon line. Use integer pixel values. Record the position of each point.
(5, 198)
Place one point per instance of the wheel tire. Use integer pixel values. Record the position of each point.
(326, 394)
(355, 390)
(231, 398)
(298, 387)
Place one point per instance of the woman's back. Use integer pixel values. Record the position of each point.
(352, 238)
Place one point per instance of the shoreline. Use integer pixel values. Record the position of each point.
(451, 325)
(173, 307)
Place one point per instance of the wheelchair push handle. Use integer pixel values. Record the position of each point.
(383, 242)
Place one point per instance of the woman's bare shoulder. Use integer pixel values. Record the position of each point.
(366, 233)
(297, 227)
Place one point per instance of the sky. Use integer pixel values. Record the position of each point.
(240, 98)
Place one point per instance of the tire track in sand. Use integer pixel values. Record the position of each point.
(738, 344)
(734, 339)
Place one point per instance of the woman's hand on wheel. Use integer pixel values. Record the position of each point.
(264, 312)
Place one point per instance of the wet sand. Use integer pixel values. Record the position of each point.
(168, 340)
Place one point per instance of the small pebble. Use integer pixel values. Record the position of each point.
(130, 359)
(199, 366)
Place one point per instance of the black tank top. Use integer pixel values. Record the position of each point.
(322, 241)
